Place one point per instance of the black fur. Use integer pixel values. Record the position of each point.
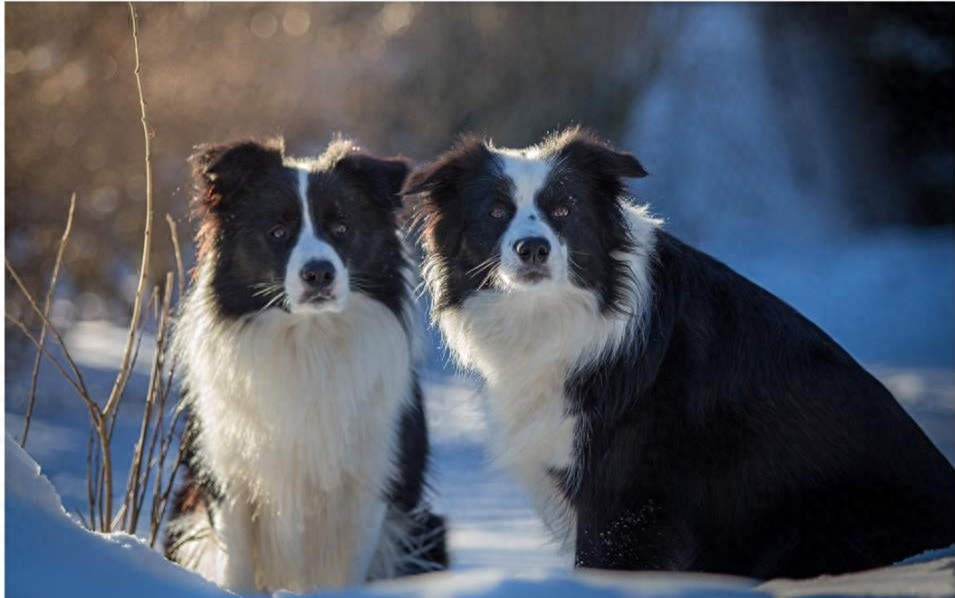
(729, 434)
(462, 186)
(243, 191)
(742, 439)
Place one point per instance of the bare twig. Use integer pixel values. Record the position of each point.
(125, 368)
(161, 500)
(26, 332)
(46, 310)
(82, 518)
(180, 270)
(90, 493)
(137, 486)
(46, 322)
(124, 371)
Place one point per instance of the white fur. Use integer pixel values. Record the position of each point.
(298, 413)
(198, 547)
(525, 343)
(526, 170)
(526, 223)
(309, 247)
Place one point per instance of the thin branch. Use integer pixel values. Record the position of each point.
(137, 486)
(82, 518)
(90, 494)
(125, 368)
(180, 270)
(122, 377)
(159, 506)
(46, 310)
(46, 321)
(90, 405)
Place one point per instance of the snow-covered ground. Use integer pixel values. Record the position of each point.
(492, 523)
(50, 555)
(878, 296)
(756, 180)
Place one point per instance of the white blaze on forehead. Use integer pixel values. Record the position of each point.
(527, 173)
(307, 227)
(308, 248)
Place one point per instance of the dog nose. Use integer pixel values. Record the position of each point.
(318, 274)
(532, 250)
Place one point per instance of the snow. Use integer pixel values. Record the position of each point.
(50, 555)
(760, 183)
(932, 578)
(755, 159)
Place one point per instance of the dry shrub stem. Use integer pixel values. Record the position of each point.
(46, 310)
(157, 434)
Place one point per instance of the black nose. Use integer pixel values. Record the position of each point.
(318, 274)
(532, 250)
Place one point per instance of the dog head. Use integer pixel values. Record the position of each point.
(530, 220)
(297, 235)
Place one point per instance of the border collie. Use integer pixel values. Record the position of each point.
(307, 439)
(665, 412)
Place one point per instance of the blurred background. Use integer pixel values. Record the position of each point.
(809, 146)
(822, 131)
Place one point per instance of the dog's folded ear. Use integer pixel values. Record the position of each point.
(382, 178)
(219, 169)
(469, 153)
(579, 147)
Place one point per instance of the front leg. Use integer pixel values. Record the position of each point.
(636, 539)
(234, 527)
(369, 535)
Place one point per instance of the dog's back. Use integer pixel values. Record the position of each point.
(664, 412)
(754, 442)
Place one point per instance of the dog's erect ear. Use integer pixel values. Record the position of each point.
(585, 150)
(381, 178)
(219, 169)
(440, 178)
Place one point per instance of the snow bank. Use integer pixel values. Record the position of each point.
(928, 579)
(49, 555)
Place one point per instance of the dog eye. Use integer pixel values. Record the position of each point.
(497, 212)
(560, 212)
(278, 232)
(339, 229)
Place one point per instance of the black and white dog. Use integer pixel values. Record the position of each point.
(307, 439)
(665, 412)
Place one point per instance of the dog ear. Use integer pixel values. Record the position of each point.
(580, 147)
(439, 178)
(382, 178)
(427, 177)
(220, 169)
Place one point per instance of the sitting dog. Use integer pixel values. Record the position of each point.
(664, 412)
(307, 438)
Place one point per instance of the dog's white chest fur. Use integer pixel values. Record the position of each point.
(298, 420)
(525, 344)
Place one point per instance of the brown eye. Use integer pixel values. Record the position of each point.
(278, 232)
(560, 212)
(340, 229)
(497, 212)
